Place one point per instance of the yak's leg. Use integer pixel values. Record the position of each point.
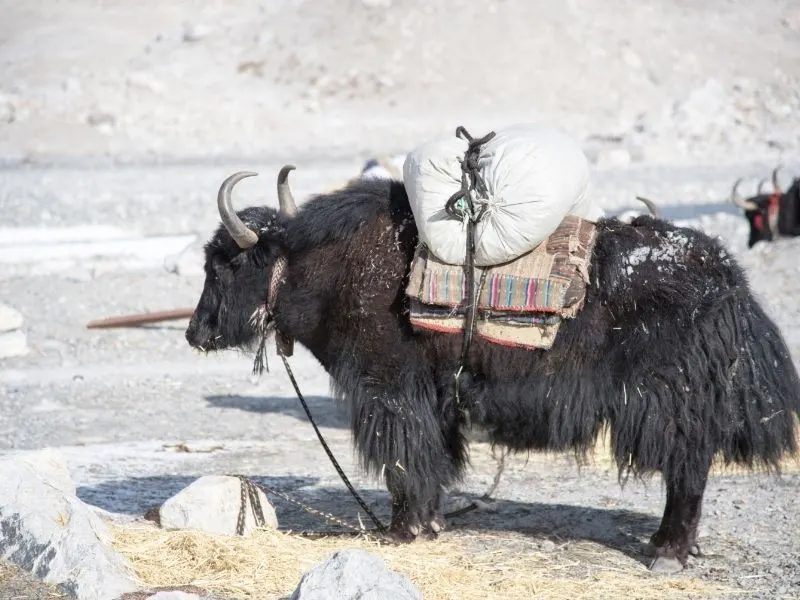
(676, 537)
(405, 430)
(401, 430)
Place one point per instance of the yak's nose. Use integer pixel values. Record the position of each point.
(193, 332)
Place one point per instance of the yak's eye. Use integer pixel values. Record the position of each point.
(220, 268)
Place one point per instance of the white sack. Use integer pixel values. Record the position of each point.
(535, 176)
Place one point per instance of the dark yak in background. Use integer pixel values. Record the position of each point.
(671, 351)
(770, 215)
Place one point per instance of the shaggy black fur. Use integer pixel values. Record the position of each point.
(671, 352)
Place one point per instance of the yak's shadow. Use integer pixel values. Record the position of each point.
(324, 409)
(136, 495)
(617, 529)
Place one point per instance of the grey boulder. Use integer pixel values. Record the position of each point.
(354, 574)
(47, 531)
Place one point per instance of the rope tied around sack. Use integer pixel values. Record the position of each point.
(461, 206)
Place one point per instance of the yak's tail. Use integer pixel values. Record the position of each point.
(763, 387)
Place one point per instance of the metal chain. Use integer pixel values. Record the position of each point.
(249, 487)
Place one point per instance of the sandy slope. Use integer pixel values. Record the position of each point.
(668, 80)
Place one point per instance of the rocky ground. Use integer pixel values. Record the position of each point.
(119, 120)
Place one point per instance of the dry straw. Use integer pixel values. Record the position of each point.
(458, 566)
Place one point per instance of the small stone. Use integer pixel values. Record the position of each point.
(194, 32)
(212, 503)
(631, 59)
(13, 343)
(547, 546)
(144, 81)
(666, 566)
(71, 85)
(103, 121)
(10, 319)
(354, 575)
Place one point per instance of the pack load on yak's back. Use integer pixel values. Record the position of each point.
(534, 176)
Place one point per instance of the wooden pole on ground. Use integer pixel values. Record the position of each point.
(141, 319)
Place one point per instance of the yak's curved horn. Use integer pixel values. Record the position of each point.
(737, 199)
(651, 206)
(761, 186)
(241, 234)
(285, 197)
(775, 185)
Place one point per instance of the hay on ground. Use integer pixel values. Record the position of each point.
(457, 566)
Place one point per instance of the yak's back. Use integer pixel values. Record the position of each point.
(651, 264)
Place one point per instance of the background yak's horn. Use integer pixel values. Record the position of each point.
(775, 185)
(761, 185)
(737, 199)
(285, 197)
(241, 234)
(651, 206)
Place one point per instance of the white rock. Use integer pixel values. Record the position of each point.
(144, 81)
(53, 534)
(13, 343)
(211, 503)
(10, 319)
(50, 466)
(631, 58)
(194, 32)
(354, 575)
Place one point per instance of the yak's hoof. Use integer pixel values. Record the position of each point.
(695, 551)
(665, 565)
(397, 535)
(437, 524)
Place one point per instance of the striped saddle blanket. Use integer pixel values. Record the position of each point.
(521, 303)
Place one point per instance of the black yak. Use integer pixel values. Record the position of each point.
(671, 352)
(770, 215)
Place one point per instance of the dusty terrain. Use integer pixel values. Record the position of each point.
(118, 121)
(667, 81)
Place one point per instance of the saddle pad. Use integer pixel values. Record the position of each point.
(521, 331)
(552, 278)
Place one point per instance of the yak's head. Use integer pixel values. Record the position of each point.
(240, 260)
(761, 210)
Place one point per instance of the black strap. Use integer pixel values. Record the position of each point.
(461, 206)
